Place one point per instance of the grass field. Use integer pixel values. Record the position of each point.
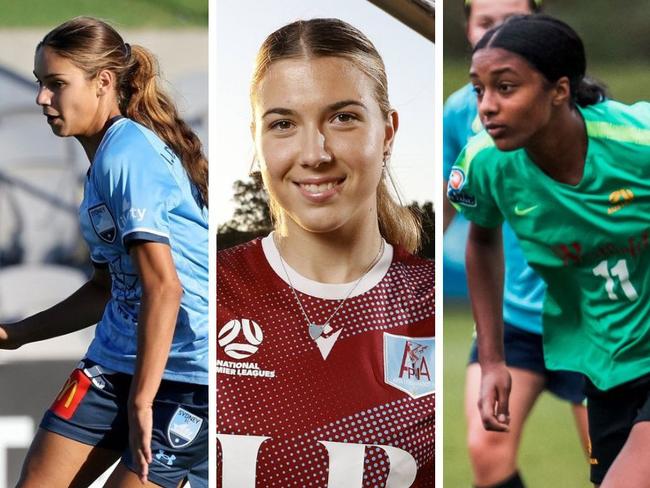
(122, 13)
(550, 456)
(627, 82)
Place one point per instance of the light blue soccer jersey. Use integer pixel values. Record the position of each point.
(138, 190)
(523, 292)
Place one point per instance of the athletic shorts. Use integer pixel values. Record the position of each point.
(524, 350)
(612, 414)
(91, 408)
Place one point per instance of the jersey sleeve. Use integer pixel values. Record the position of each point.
(140, 191)
(471, 187)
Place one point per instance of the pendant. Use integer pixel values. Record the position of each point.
(315, 331)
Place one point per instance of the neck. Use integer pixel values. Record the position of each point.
(561, 148)
(340, 256)
(91, 140)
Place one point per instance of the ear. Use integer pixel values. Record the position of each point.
(390, 129)
(105, 82)
(561, 91)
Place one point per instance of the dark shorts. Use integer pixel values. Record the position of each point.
(92, 408)
(612, 414)
(524, 350)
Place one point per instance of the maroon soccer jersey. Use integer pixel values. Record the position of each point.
(353, 408)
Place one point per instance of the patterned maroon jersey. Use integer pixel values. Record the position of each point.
(351, 409)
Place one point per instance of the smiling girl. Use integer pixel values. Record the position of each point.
(140, 394)
(567, 170)
(325, 327)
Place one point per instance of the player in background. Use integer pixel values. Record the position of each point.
(568, 170)
(140, 394)
(325, 356)
(493, 455)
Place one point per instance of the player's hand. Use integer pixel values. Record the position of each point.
(8, 337)
(140, 427)
(493, 397)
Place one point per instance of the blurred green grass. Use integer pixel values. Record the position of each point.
(627, 82)
(550, 454)
(122, 13)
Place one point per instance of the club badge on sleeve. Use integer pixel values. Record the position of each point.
(409, 364)
(103, 222)
(183, 428)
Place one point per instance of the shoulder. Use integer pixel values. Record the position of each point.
(127, 142)
(239, 262)
(417, 272)
(480, 150)
(616, 121)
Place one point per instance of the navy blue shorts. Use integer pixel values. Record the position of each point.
(92, 408)
(524, 350)
(612, 414)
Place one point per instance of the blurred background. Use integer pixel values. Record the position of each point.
(616, 36)
(43, 257)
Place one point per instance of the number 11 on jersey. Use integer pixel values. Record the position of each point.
(619, 270)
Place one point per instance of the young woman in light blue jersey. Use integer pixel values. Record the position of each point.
(568, 170)
(494, 456)
(140, 394)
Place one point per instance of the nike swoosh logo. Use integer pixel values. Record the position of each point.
(524, 211)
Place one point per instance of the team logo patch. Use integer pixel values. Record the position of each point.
(240, 338)
(183, 428)
(103, 222)
(73, 391)
(456, 179)
(409, 364)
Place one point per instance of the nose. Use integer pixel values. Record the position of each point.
(488, 104)
(43, 96)
(314, 148)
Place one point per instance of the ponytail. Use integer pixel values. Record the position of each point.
(590, 92)
(143, 101)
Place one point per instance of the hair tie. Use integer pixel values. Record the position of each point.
(127, 50)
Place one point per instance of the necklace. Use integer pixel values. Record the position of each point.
(317, 330)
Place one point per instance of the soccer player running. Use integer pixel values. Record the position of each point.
(568, 171)
(493, 455)
(140, 393)
(325, 327)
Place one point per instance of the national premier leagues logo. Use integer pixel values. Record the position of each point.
(183, 428)
(409, 364)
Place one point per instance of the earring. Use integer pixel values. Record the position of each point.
(386, 159)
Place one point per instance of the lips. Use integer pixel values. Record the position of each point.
(51, 118)
(319, 190)
(495, 130)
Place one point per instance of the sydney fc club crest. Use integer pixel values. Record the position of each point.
(409, 364)
(103, 222)
(183, 428)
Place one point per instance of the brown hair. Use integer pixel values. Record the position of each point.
(317, 38)
(93, 46)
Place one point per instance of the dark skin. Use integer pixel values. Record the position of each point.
(520, 108)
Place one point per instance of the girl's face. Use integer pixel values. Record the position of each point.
(69, 100)
(515, 101)
(485, 14)
(321, 138)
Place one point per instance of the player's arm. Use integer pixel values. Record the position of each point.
(80, 310)
(161, 298)
(484, 261)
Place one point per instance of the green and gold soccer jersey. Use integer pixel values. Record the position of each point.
(589, 242)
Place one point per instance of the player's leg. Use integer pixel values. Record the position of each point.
(582, 425)
(631, 468)
(493, 455)
(56, 461)
(123, 477)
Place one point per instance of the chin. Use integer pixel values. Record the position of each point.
(506, 145)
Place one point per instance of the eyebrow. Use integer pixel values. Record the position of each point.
(499, 71)
(332, 107)
(49, 75)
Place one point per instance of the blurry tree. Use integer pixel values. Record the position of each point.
(251, 217)
(427, 218)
